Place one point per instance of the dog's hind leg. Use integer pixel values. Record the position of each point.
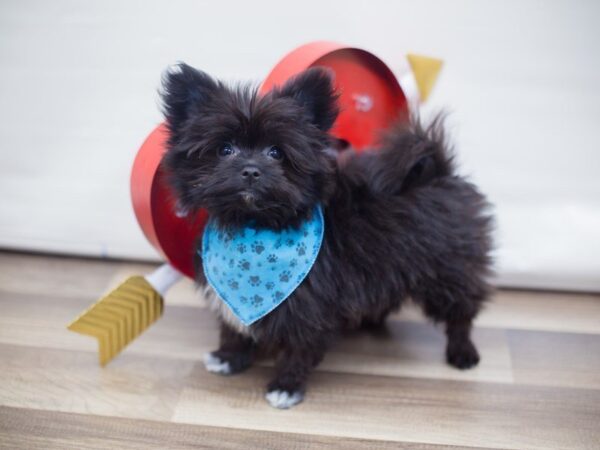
(456, 308)
(460, 350)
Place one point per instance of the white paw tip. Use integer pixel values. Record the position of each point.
(215, 365)
(283, 399)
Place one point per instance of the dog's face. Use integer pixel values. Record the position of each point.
(246, 157)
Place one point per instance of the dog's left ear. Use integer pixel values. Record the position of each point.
(314, 90)
(185, 91)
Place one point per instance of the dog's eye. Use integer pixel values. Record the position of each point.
(275, 153)
(226, 150)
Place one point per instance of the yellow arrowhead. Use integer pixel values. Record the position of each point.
(426, 71)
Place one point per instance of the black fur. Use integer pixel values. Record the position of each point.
(399, 222)
(203, 115)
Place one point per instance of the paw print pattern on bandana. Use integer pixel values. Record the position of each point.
(258, 247)
(253, 269)
(257, 300)
(285, 276)
(277, 296)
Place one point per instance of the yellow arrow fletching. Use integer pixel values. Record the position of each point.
(148, 302)
(111, 328)
(125, 313)
(100, 333)
(120, 316)
(426, 71)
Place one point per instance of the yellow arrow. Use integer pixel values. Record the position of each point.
(426, 71)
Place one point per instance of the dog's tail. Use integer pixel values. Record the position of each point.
(411, 156)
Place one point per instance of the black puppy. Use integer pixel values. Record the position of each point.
(398, 222)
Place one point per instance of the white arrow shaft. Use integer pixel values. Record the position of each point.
(163, 278)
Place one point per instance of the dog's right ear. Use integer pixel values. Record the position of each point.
(314, 90)
(184, 91)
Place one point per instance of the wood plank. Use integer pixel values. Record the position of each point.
(88, 279)
(71, 381)
(33, 429)
(408, 410)
(544, 311)
(530, 310)
(491, 415)
(408, 349)
(555, 359)
(85, 279)
(35, 320)
(527, 310)
(417, 350)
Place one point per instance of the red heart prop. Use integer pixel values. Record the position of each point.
(370, 99)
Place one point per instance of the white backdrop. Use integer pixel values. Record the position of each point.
(78, 95)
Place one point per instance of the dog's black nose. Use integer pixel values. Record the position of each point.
(250, 173)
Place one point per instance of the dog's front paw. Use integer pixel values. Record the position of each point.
(462, 354)
(282, 399)
(227, 363)
(215, 364)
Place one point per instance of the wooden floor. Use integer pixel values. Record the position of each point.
(538, 385)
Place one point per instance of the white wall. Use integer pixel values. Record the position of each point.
(78, 87)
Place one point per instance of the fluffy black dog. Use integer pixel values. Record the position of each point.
(398, 222)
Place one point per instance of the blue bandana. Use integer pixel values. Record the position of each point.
(254, 270)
